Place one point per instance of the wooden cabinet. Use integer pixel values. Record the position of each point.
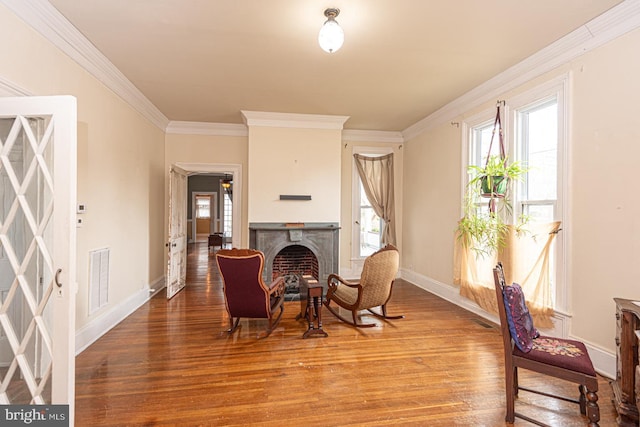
(625, 386)
(638, 373)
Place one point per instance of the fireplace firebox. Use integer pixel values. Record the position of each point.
(292, 263)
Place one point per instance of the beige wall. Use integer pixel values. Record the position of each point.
(603, 241)
(431, 205)
(605, 216)
(293, 161)
(120, 158)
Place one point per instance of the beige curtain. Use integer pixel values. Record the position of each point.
(376, 174)
(526, 260)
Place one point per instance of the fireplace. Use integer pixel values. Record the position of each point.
(308, 249)
(293, 262)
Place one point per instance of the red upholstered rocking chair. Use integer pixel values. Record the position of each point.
(557, 357)
(245, 293)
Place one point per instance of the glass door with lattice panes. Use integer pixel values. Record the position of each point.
(37, 250)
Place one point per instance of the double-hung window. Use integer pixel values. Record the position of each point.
(537, 140)
(534, 134)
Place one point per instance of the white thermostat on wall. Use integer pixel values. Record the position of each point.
(81, 208)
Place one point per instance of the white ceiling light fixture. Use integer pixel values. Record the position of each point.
(331, 35)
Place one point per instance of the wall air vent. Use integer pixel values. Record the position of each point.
(98, 279)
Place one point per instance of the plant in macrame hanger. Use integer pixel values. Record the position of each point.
(485, 231)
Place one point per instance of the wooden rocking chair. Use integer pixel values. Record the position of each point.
(372, 290)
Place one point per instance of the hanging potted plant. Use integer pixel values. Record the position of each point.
(493, 178)
(485, 230)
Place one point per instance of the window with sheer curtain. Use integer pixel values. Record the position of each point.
(203, 206)
(535, 135)
(370, 225)
(373, 200)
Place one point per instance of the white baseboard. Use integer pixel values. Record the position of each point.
(603, 361)
(91, 332)
(156, 286)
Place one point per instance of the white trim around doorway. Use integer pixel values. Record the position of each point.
(223, 168)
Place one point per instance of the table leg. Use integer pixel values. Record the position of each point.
(314, 307)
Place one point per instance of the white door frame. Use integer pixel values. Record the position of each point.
(221, 168)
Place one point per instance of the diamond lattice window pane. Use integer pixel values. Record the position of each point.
(7, 198)
(17, 391)
(20, 235)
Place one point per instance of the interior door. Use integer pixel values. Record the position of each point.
(177, 265)
(38, 250)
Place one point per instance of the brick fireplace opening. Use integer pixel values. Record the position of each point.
(291, 263)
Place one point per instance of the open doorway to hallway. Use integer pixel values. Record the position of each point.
(203, 220)
(210, 212)
(223, 180)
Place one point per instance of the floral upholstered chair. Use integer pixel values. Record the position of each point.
(525, 348)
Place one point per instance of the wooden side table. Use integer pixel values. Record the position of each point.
(311, 306)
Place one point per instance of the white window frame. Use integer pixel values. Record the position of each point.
(198, 213)
(355, 191)
(225, 229)
(558, 87)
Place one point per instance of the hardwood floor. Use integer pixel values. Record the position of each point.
(170, 363)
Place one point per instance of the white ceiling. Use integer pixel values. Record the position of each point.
(402, 60)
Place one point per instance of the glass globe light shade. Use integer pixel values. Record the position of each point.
(331, 36)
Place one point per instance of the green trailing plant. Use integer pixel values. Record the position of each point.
(485, 230)
(497, 172)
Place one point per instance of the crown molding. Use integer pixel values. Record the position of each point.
(9, 88)
(612, 24)
(205, 128)
(293, 120)
(372, 136)
(53, 26)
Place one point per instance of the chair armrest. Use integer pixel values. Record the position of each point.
(335, 277)
(277, 286)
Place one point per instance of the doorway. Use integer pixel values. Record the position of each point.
(233, 204)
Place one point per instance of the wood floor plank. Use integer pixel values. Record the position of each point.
(171, 363)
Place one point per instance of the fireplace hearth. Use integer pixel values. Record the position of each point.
(297, 249)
